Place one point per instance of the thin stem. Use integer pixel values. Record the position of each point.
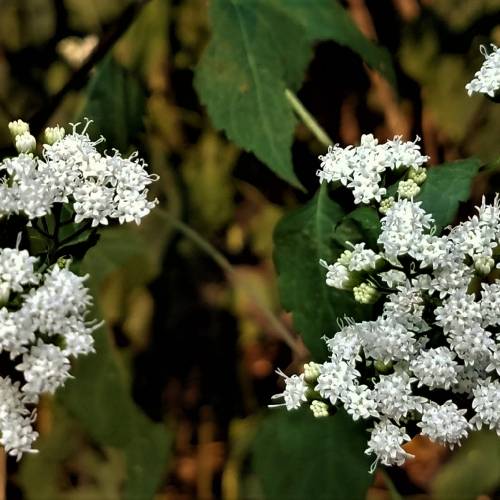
(296, 346)
(308, 120)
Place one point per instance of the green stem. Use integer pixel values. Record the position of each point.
(295, 345)
(308, 120)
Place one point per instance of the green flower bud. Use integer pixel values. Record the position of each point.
(408, 189)
(319, 409)
(365, 293)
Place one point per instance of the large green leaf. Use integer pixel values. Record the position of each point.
(297, 457)
(115, 102)
(446, 186)
(474, 469)
(99, 397)
(328, 20)
(241, 78)
(301, 239)
(258, 49)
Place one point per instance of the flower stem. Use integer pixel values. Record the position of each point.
(232, 276)
(308, 120)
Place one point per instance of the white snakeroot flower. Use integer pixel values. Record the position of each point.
(402, 227)
(17, 434)
(393, 277)
(338, 275)
(486, 403)
(386, 442)
(42, 325)
(16, 269)
(335, 379)
(387, 340)
(360, 168)
(345, 345)
(100, 187)
(359, 403)
(436, 335)
(444, 424)
(45, 368)
(362, 259)
(458, 312)
(295, 393)
(394, 396)
(487, 79)
(490, 304)
(435, 368)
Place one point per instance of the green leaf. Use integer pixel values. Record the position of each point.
(297, 456)
(301, 239)
(328, 20)
(99, 397)
(258, 49)
(445, 187)
(473, 470)
(241, 78)
(115, 102)
(361, 225)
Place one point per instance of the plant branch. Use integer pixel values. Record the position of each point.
(232, 276)
(80, 76)
(308, 120)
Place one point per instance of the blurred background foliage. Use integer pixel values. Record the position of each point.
(173, 405)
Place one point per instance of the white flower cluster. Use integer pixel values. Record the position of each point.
(362, 168)
(42, 326)
(71, 170)
(487, 79)
(430, 361)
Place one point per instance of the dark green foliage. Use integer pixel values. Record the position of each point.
(298, 456)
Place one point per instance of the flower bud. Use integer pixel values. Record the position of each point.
(54, 134)
(385, 205)
(417, 174)
(408, 189)
(365, 293)
(25, 143)
(319, 409)
(345, 257)
(311, 372)
(484, 264)
(18, 127)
